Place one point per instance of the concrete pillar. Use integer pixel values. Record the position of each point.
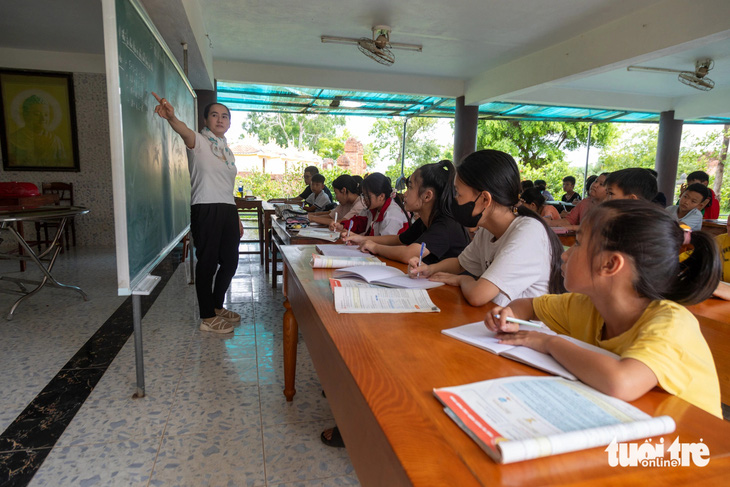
(204, 98)
(465, 130)
(667, 154)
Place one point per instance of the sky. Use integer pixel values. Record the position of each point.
(359, 127)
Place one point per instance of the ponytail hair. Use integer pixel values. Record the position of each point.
(377, 184)
(440, 178)
(497, 173)
(349, 183)
(655, 244)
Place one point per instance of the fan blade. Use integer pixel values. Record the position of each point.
(690, 79)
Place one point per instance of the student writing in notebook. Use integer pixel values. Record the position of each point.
(596, 195)
(628, 276)
(347, 190)
(384, 215)
(429, 193)
(512, 255)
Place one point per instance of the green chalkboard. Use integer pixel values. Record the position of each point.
(149, 161)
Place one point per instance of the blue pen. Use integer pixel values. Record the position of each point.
(420, 257)
(348, 230)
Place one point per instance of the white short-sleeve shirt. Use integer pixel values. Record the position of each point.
(211, 179)
(518, 263)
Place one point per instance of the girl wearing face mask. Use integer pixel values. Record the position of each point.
(511, 255)
(384, 215)
(430, 192)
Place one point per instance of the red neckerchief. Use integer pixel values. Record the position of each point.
(378, 216)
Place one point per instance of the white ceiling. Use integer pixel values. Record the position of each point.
(558, 52)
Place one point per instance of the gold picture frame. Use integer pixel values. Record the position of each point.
(38, 122)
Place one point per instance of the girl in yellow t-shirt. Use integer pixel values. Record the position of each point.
(625, 280)
(723, 289)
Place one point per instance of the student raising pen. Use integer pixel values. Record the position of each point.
(429, 193)
(513, 256)
(628, 277)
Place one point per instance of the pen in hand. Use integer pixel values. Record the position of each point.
(520, 322)
(348, 230)
(420, 257)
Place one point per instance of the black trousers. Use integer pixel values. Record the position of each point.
(215, 236)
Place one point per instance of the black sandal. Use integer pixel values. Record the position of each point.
(335, 439)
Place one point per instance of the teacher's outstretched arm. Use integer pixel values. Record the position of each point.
(166, 111)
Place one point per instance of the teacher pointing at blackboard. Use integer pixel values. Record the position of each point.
(214, 218)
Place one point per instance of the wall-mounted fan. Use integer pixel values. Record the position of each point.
(378, 48)
(697, 79)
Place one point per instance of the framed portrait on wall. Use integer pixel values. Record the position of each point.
(38, 123)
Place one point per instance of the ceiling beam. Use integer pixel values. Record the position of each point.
(571, 97)
(706, 104)
(241, 72)
(659, 30)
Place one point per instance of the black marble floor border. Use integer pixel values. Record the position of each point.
(26, 443)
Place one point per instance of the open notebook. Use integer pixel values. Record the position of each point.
(478, 335)
(385, 276)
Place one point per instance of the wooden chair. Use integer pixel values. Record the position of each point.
(65, 194)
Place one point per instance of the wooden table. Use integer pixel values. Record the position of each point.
(715, 227)
(714, 317)
(379, 370)
(280, 235)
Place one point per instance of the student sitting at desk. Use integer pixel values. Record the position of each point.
(310, 171)
(384, 215)
(347, 189)
(429, 193)
(533, 199)
(632, 183)
(723, 241)
(512, 255)
(596, 195)
(318, 199)
(627, 286)
(687, 211)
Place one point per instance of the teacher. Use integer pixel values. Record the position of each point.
(214, 218)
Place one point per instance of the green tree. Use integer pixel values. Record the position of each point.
(536, 144)
(292, 130)
(638, 149)
(420, 146)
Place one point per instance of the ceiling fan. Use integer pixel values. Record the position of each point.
(697, 79)
(378, 48)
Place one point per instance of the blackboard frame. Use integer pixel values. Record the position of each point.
(131, 271)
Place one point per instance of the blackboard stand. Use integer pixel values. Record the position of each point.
(144, 288)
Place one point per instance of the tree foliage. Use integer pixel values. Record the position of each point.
(638, 149)
(536, 144)
(421, 148)
(313, 132)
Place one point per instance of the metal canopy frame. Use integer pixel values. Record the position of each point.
(320, 101)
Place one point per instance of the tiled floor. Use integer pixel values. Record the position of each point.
(214, 413)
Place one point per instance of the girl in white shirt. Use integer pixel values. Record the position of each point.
(512, 255)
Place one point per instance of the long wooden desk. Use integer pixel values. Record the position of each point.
(379, 371)
(715, 227)
(714, 317)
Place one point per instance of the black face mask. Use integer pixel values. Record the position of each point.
(463, 213)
